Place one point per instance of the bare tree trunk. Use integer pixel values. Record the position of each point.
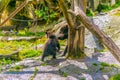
(107, 41)
(75, 35)
(82, 5)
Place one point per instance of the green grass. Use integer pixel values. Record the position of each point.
(30, 53)
(104, 64)
(27, 33)
(95, 64)
(25, 47)
(115, 77)
(16, 68)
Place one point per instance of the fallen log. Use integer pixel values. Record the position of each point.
(10, 55)
(18, 38)
(61, 24)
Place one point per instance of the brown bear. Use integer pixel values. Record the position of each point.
(51, 46)
(62, 34)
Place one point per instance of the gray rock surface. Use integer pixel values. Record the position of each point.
(65, 69)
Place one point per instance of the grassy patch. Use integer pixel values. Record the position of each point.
(30, 53)
(44, 64)
(16, 68)
(27, 33)
(104, 64)
(82, 78)
(115, 77)
(95, 64)
(117, 14)
(25, 48)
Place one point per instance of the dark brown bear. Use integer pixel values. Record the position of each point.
(51, 46)
(62, 34)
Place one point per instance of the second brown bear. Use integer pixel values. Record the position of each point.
(51, 46)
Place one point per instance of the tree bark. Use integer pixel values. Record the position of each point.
(74, 47)
(82, 5)
(107, 41)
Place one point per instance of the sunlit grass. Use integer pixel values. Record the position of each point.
(117, 13)
(25, 48)
(115, 77)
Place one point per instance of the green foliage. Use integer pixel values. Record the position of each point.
(117, 4)
(62, 42)
(41, 13)
(46, 13)
(53, 15)
(115, 77)
(64, 74)
(103, 8)
(89, 12)
(25, 33)
(103, 64)
(101, 67)
(5, 61)
(40, 34)
(1, 33)
(106, 7)
(18, 67)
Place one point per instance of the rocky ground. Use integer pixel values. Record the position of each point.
(95, 66)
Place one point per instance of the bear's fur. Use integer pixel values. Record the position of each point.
(51, 46)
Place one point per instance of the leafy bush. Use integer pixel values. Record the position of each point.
(103, 7)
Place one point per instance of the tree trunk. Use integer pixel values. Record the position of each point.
(75, 35)
(107, 41)
(82, 5)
